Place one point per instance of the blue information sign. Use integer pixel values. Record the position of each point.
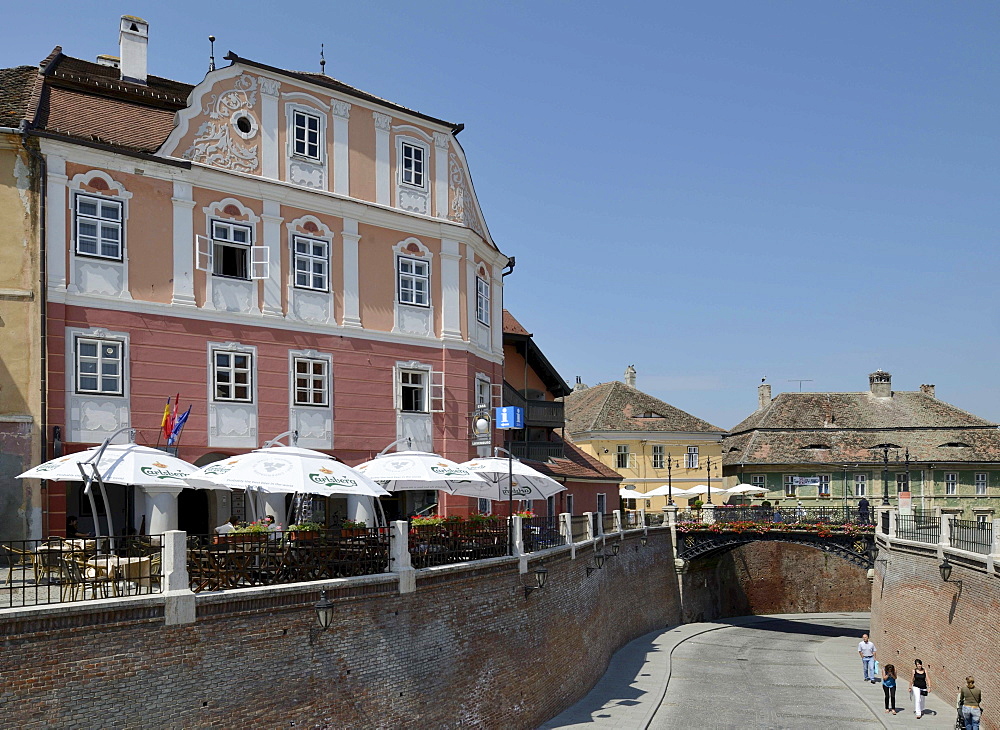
(510, 417)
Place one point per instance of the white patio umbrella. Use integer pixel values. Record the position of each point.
(703, 489)
(529, 483)
(129, 464)
(746, 489)
(665, 491)
(626, 493)
(411, 470)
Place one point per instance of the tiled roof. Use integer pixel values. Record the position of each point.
(15, 94)
(618, 407)
(904, 409)
(797, 428)
(512, 327)
(577, 464)
(981, 444)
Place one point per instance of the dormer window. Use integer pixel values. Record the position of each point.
(818, 447)
(306, 136)
(954, 445)
(412, 160)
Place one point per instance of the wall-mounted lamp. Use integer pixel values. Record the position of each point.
(945, 569)
(541, 575)
(615, 547)
(599, 560)
(324, 611)
(644, 540)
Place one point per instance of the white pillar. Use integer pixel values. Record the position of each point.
(179, 605)
(996, 540)
(161, 506)
(352, 287)
(518, 529)
(566, 527)
(470, 292)
(708, 513)
(269, 152)
(945, 530)
(590, 534)
(671, 512)
(617, 515)
(56, 205)
(496, 302)
(341, 148)
(360, 509)
(399, 556)
(184, 253)
(272, 239)
(893, 516)
(383, 123)
(441, 144)
(451, 295)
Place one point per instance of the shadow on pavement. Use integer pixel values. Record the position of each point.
(787, 626)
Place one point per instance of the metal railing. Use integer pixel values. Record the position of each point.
(631, 520)
(885, 522)
(544, 413)
(609, 523)
(971, 535)
(241, 560)
(455, 542)
(809, 515)
(918, 528)
(595, 523)
(539, 533)
(536, 450)
(578, 525)
(654, 519)
(40, 572)
(688, 515)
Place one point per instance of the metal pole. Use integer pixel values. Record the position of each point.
(709, 471)
(670, 481)
(885, 476)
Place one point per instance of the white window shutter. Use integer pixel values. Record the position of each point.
(632, 461)
(437, 391)
(260, 262)
(204, 253)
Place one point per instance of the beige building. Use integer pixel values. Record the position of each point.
(21, 311)
(647, 441)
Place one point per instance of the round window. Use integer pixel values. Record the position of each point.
(246, 125)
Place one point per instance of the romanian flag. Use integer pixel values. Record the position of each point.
(175, 433)
(166, 425)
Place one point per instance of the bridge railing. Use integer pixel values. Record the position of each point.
(919, 528)
(971, 535)
(839, 515)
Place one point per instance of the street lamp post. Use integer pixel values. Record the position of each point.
(708, 470)
(670, 481)
(885, 476)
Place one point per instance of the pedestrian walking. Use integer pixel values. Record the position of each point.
(867, 652)
(863, 510)
(919, 687)
(970, 701)
(889, 687)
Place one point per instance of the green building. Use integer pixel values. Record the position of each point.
(835, 448)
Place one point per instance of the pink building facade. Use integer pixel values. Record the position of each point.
(283, 251)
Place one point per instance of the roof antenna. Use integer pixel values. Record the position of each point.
(322, 59)
(211, 58)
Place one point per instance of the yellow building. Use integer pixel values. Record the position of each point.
(21, 314)
(647, 441)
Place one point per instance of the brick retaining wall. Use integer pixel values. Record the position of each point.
(467, 649)
(954, 627)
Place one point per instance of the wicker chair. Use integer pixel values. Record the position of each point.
(75, 581)
(23, 560)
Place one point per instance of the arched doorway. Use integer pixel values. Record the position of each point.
(192, 511)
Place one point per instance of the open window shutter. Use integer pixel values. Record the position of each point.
(204, 250)
(633, 463)
(260, 262)
(437, 391)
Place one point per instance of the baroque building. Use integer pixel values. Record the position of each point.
(279, 249)
(835, 448)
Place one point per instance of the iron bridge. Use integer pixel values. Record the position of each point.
(857, 549)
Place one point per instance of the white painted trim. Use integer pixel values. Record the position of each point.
(184, 117)
(341, 148)
(250, 441)
(309, 99)
(327, 410)
(183, 245)
(269, 149)
(272, 240)
(122, 404)
(442, 145)
(451, 295)
(383, 171)
(352, 286)
(118, 194)
(55, 221)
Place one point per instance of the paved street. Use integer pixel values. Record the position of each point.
(790, 671)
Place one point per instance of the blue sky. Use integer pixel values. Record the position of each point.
(716, 192)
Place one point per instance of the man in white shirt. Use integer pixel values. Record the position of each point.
(867, 652)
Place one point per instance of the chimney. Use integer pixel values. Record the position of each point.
(132, 38)
(763, 395)
(106, 60)
(928, 390)
(881, 384)
(630, 376)
(580, 385)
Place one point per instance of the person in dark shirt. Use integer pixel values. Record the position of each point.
(72, 531)
(863, 511)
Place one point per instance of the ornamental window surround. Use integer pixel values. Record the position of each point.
(413, 164)
(99, 366)
(951, 482)
(413, 281)
(98, 226)
(307, 135)
(312, 382)
(691, 458)
(232, 376)
(413, 391)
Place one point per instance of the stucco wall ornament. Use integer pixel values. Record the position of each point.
(463, 208)
(215, 142)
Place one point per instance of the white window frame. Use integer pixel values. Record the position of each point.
(483, 393)
(659, 456)
(411, 296)
(860, 485)
(758, 480)
(901, 482)
(232, 369)
(406, 382)
(691, 458)
(982, 481)
(482, 300)
(602, 503)
(824, 485)
(257, 261)
(789, 484)
(484, 506)
(569, 503)
(312, 259)
(983, 519)
(100, 222)
(305, 114)
(412, 144)
(951, 483)
(622, 454)
(100, 362)
(318, 383)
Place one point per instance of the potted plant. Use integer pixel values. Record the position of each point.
(304, 531)
(697, 504)
(353, 528)
(245, 532)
